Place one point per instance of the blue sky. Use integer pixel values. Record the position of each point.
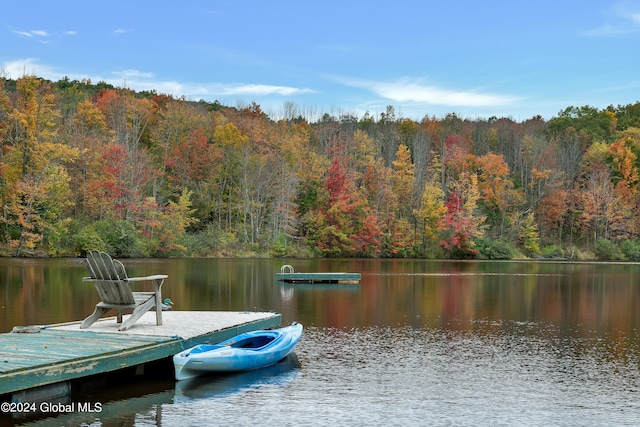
(425, 58)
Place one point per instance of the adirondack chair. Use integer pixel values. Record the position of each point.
(110, 279)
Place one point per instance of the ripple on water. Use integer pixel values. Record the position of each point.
(505, 374)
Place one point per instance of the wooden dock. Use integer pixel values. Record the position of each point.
(53, 356)
(336, 278)
(288, 275)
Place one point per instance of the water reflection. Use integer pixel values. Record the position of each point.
(415, 343)
(217, 386)
(580, 298)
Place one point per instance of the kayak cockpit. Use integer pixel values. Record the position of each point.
(254, 342)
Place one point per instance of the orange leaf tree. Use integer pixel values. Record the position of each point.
(430, 216)
(34, 172)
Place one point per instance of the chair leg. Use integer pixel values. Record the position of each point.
(97, 313)
(138, 312)
(158, 304)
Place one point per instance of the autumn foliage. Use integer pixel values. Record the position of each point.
(87, 166)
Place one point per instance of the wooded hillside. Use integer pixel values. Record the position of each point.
(86, 166)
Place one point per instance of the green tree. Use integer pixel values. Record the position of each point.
(167, 228)
(528, 236)
(234, 145)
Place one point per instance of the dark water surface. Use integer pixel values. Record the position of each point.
(416, 343)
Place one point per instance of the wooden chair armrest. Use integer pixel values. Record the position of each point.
(154, 277)
(130, 279)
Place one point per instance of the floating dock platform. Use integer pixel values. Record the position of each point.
(289, 276)
(341, 278)
(43, 362)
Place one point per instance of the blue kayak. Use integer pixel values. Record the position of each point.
(251, 350)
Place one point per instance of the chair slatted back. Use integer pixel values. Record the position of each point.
(110, 278)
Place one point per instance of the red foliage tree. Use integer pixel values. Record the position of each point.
(344, 225)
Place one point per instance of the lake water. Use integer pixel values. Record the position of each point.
(424, 343)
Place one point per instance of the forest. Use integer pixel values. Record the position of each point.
(142, 174)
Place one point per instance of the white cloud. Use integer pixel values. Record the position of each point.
(606, 30)
(622, 21)
(140, 83)
(31, 33)
(134, 74)
(28, 66)
(258, 90)
(22, 33)
(141, 80)
(414, 91)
